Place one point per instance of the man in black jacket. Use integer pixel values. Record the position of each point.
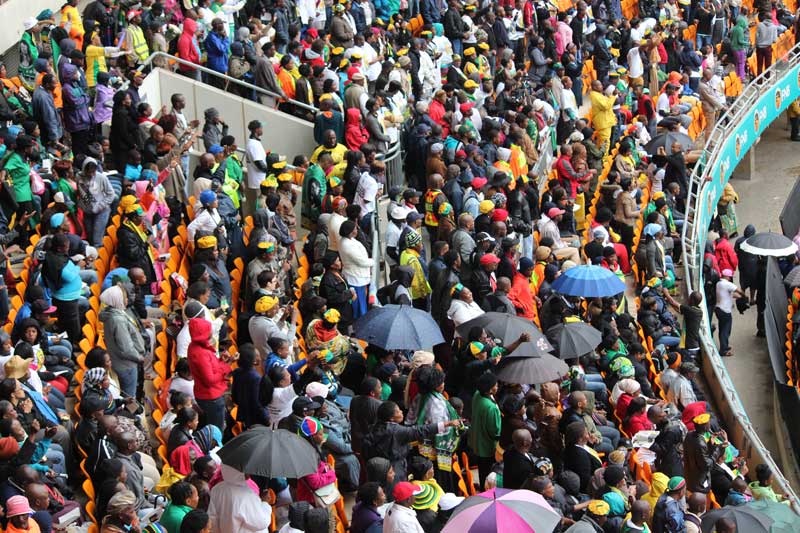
(518, 463)
(668, 444)
(700, 456)
(454, 27)
(364, 411)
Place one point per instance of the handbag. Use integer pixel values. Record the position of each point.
(37, 183)
(326, 496)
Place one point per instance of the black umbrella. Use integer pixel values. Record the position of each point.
(507, 328)
(530, 370)
(574, 339)
(746, 519)
(769, 244)
(792, 279)
(261, 451)
(398, 327)
(667, 140)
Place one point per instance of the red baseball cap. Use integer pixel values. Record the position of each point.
(489, 259)
(500, 215)
(405, 490)
(554, 212)
(478, 182)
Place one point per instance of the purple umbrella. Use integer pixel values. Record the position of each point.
(520, 511)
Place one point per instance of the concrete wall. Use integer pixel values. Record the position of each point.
(283, 133)
(13, 12)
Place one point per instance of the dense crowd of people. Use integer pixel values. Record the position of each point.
(170, 299)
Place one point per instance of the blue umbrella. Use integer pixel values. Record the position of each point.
(398, 327)
(588, 281)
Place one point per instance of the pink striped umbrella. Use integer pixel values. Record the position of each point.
(517, 511)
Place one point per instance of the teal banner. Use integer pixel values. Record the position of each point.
(767, 108)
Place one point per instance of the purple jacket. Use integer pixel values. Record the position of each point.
(103, 94)
(76, 102)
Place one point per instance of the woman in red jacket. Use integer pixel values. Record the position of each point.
(210, 374)
(189, 49)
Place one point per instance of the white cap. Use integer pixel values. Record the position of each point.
(315, 388)
(504, 153)
(449, 501)
(29, 23)
(399, 212)
(538, 105)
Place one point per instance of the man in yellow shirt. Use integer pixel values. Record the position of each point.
(603, 117)
(331, 146)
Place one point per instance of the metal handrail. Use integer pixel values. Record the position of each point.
(201, 68)
(700, 178)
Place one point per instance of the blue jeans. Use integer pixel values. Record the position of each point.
(612, 434)
(89, 277)
(128, 379)
(702, 40)
(56, 459)
(596, 385)
(458, 46)
(213, 412)
(96, 226)
(670, 341)
(56, 399)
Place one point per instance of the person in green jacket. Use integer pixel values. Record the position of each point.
(314, 188)
(183, 498)
(17, 168)
(485, 431)
(762, 487)
(740, 42)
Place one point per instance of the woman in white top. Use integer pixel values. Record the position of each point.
(462, 307)
(356, 265)
(279, 400)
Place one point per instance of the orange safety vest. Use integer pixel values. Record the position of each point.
(519, 164)
(430, 217)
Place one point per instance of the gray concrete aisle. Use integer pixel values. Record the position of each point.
(761, 201)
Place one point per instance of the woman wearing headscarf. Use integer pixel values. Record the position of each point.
(207, 219)
(62, 277)
(324, 334)
(124, 130)
(125, 344)
(120, 513)
(97, 384)
(134, 249)
(207, 254)
(203, 441)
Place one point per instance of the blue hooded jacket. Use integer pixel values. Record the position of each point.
(217, 50)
